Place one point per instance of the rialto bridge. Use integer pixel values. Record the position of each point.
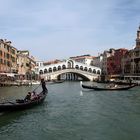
(69, 70)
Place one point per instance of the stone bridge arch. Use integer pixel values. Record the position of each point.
(83, 74)
(69, 66)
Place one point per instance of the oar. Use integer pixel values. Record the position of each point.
(6, 101)
(2, 100)
(36, 87)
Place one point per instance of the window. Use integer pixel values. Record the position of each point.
(8, 56)
(54, 69)
(77, 67)
(4, 62)
(50, 69)
(13, 51)
(8, 48)
(40, 72)
(59, 67)
(13, 59)
(63, 67)
(1, 61)
(8, 63)
(0, 52)
(45, 71)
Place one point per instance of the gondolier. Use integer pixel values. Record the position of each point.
(44, 85)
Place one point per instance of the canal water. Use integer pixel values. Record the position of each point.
(70, 113)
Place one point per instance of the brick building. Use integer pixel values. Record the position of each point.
(114, 62)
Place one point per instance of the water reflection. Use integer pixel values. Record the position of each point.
(81, 93)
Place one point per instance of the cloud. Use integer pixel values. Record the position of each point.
(52, 29)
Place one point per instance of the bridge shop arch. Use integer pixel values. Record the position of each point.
(71, 76)
(70, 64)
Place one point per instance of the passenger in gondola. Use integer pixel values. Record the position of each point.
(34, 96)
(28, 97)
(113, 85)
(44, 86)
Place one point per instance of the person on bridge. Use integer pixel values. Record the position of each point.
(44, 86)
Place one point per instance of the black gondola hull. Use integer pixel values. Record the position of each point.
(14, 106)
(113, 88)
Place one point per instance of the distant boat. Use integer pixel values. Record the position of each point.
(35, 83)
(55, 81)
(115, 87)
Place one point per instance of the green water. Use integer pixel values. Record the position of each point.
(69, 113)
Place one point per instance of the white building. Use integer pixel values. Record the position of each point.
(97, 61)
(85, 59)
(106, 54)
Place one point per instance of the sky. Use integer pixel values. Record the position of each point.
(59, 29)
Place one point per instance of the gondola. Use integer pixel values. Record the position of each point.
(109, 88)
(21, 104)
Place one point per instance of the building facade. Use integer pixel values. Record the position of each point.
(85, 59)
(131, 60)
(8, 57)
(114, 62)
(106, 55)
(26, 65)
(97, 61)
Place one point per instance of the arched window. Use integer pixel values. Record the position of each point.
(70, 64)
(90, 70)
(85, 69)
(81, 67)
(63, 67)
(50, 69)
(94, 71)
(45, 71)
(77, 67)
(54, 69)
(59, 68)
(98, 72)
(41, 72)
